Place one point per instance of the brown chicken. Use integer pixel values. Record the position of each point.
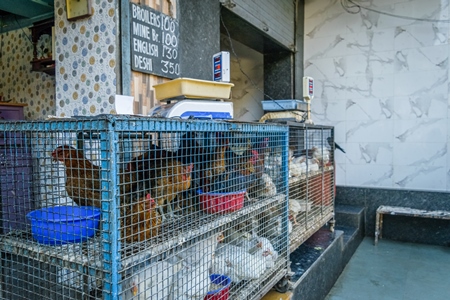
(258, 151)
(217, 165)
(141, 220)
(187, 153)
(213, 165)
(83, 184)
(168, 178)
(247, 165)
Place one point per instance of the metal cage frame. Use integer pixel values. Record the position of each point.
(316, 188)
(102, 261)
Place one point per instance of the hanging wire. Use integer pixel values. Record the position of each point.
(24, 33)
(239, 61)
(352, 7)
(303, 116)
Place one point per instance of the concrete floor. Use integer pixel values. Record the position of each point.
(395, 271)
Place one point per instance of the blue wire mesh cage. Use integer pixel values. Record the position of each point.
(179, 200)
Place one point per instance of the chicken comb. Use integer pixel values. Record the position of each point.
(150, 199)
(255, 156)
(189, 168)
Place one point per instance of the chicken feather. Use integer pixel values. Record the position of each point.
(83, 183)
(169, 177)
(141, 220)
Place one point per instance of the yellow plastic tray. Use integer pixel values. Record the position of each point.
(193, 88)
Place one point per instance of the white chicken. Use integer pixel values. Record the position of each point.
(268, 187)
(299, 159)
(191, 282)
(266, 251)
(322, 155)
(272, 228)
(294, 209)
(291, 152)
(233, 235)
(238, 264)
(261, 247)
(248, 242)
(201, 249)
(295, 170)
(297, 166)
(153, 282)
(313, 165)
(275, 228)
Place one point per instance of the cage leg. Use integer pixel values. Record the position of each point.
(332, 223)
(283, 285)
(86, 290)
(2, 275)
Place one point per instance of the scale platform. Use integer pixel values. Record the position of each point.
(195, 109)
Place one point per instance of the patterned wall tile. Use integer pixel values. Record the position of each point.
(86, 63)
(18, 83)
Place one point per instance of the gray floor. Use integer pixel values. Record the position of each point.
(395, 270)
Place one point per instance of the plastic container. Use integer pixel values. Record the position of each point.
(193, 88)
(280, 105)
(221, 202)
(199, 109)
(222, 293)
(59, 225)
(321, 188)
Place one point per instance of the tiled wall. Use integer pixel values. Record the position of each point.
(18, 84)
(86, 61)
(383, 82)
(407, 229)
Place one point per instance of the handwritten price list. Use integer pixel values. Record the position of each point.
(154, 42)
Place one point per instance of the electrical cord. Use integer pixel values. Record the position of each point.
(352, 7)
(20, 26)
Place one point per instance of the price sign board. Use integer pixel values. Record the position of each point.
(154, 42)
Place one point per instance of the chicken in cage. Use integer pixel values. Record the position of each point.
(139, 208)
(311, 180)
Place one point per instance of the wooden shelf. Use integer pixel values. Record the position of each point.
(47, 64)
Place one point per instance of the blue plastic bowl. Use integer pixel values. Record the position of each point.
(59, 225)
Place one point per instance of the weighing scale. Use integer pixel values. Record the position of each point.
(200, 106)
(291, 109)
(195, 109)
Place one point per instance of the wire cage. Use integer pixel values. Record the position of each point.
(311, 180)
(117, 207)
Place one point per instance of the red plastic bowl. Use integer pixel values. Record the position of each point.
(222, 293)
(221, 202)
